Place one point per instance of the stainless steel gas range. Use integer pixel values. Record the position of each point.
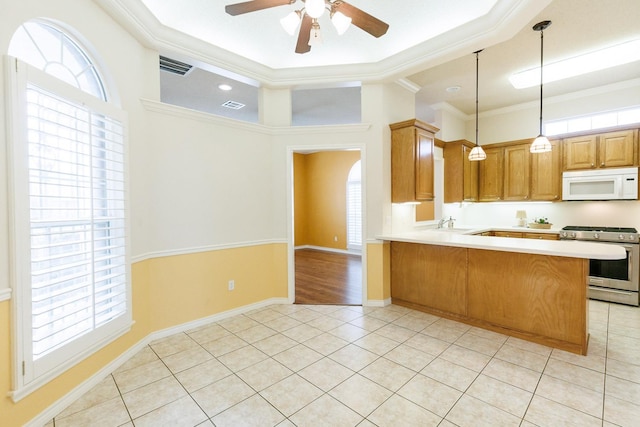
(611, 280)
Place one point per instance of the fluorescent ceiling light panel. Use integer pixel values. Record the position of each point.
(624, 53)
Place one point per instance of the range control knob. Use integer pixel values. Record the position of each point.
(573, 235)
(621, 237)
(563, 234)
(596, 236)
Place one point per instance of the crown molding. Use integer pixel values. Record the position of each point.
(501, 23)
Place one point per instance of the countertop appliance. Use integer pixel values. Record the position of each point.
(600, 184)
(611, 280)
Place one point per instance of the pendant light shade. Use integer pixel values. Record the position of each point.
(477, 153)
(541, 144)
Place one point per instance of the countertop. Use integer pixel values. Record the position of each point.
(463, 237)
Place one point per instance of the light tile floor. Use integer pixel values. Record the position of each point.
(303, 365)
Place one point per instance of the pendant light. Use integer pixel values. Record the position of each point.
(477, 153)
(541, 144)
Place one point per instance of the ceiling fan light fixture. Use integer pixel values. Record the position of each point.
(341, 22)
(315, 38)
(314, 8)
(290, 22)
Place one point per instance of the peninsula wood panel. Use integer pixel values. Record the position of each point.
(430, 276)
(544, 296)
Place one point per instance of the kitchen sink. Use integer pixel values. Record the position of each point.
(451, 230)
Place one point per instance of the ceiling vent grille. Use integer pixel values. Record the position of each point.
(174, 66)
(233, 105)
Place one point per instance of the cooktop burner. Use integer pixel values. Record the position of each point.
(599, 228)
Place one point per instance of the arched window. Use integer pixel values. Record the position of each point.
(68, 198)
(354, 208)
(54, 52)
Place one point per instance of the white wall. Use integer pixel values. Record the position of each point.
(523, 121)
(609, 213)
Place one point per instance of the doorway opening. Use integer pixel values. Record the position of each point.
(327, 227)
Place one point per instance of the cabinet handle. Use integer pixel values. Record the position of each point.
(592, 165)
(526, 197)
(555, 197)
(602, 164)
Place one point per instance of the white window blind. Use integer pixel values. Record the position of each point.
(354, 208)
(76, 203)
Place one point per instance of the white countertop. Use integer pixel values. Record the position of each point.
(463, 238)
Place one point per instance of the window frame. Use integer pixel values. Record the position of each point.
(25, 379)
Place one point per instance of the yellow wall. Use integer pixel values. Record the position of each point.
(167, 292)
(324, 213)
(300, 199)
(378, 271)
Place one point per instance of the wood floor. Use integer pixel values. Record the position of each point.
(328, 278)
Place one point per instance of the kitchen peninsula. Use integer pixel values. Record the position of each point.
(530, 289)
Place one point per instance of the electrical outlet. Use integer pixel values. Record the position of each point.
(232, 285)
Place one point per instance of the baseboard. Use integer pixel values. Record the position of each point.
(66, 400)
(324, 249)
(378, 302)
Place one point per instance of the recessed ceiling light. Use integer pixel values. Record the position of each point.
(224, 87)
(593, 61)
(453, 89)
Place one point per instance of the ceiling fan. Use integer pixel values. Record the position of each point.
(342, 15)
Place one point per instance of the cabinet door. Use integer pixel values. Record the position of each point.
(490, 176)
(424, 165)
(546, 174)
(617, 149)
(469, 176)
(516, 172)
(579, 152)
(541, 236)
(403, 161)
(507, 234)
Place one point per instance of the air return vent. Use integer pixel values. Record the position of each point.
(233, 105)
(174, 66)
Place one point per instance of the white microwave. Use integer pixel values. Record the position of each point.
(600, 184)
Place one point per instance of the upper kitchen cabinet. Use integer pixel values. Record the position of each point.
(490, 175)
(516, 172)
(460, 174)
(611, 149)
(617, 149)
(412, 143)
(546, 174)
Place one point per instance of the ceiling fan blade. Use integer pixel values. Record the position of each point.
(252, 6)
(361, 19)
(304, 35)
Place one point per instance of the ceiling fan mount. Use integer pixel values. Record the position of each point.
(341, 13)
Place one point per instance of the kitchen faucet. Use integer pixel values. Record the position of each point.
(443, 221)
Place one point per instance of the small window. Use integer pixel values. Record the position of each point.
(602, 120)
(354, 208)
